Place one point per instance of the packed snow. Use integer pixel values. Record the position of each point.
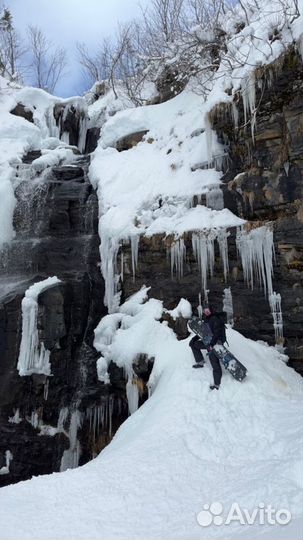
(149, 189)
(185, 448)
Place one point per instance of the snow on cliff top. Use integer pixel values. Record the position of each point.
(18, 136)
(184, 448)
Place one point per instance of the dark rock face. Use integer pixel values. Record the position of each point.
(92, 136)
(125, 143)
(24, 112)
(56, 223)
(264, 183)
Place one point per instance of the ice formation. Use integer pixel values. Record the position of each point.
(134, 240)
(16, 419)
(228, 305)
(249, 100)
(33, 356)
(45, 389)
(203, 248)
(63, 416)
(256, 249)
(101, 417)
(276, 311)
(203, 244)
(8, 459)
(132, 394)
(177, 257)
(109, 251)
(70, 458)
(222, 236)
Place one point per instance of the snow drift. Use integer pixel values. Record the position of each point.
(184, 448)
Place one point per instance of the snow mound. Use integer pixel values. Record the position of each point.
(184, 448)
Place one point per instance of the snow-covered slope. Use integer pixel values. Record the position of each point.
(186, 447)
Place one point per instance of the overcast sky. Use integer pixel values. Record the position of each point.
(67, 21)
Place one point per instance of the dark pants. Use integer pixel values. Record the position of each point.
(217, 370)
(196, 344)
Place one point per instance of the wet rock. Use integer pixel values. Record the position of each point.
(24, 112)
(56, 235)
(125, 143)
(92, 137)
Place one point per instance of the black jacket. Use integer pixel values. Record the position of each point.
(215, 325)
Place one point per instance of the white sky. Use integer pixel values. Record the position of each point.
(67, 21)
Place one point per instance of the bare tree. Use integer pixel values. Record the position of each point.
(96, 66)
(47, 63)
(177, 41)
(11, 48)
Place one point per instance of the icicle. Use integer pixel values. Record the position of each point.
(62, 419)
(203, 248)
(65, 137)
(214, 199)
(256, 250)
(276, 311)
(34, 419)
(249, 100)
(286, 167)
(209, 139)
(177, 257)
(132, 394)
(108, 251)
(200, 309)
(228, 305)
(45, 390)
(235, 115)
(110, 413)
(134, 249)
(16, 419)
(222, 236)
(33, 357)
(8, 459)
(122, 266)
(83, 123)
(70, 458)
(53, 129)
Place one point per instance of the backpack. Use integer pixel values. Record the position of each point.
(222, 316)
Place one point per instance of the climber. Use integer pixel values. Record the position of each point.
(217, 328)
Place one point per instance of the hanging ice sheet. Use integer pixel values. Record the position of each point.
(33, 356)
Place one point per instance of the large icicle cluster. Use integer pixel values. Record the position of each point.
(204, 250)
(177, 257)
(101, 416)
(256, 249)
(33, 356)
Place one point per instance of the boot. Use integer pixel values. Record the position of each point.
(198, 365)
(214, 387)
